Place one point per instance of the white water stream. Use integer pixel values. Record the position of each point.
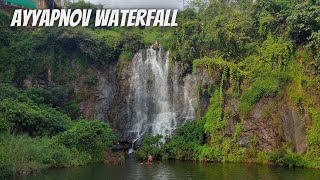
(157, 103)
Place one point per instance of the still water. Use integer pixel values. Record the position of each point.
(132, 169)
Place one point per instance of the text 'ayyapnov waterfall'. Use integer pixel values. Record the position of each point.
(103, 17)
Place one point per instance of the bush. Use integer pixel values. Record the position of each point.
(262, 87)
(58, 155)
(5, 125)
(90, 79)
(304, 20)
(23, 154)
(72, 108)
(131, 41)
(84, 41)
(151, 145)
(187, 140)
(206, 153)
(9, 91)
(126, 56)
(212, 118)
(55, 96)
(276, 53)
(90, 136)
(185, 144)
(5, 30)
(312, 157)
(36, 120)
(262, 157)
(19, 153)
(192, 131)
(292, 159)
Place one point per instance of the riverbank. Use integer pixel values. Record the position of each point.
(131, 169)
(191, 143)
(22, 155)
(83, 143)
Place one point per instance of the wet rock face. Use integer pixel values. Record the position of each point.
(112, 91)
(272, 129)
(260, 130)
(294, 128)
(106, 100)
(159, 99)
(149, 95)
(108, 93)
(145, 96)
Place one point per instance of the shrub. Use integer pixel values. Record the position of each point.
(55, 96)
(36, 120)
(292, 159)
(276, 52)
(90, 79)
(9, 91)
(5, 125)
(206, 153)
(151, 145)
(304, 20)
(22, 153)
(58, 155)
(312, 158)
(186, 142)
(192, 131)
(84, 41)
(262, 87)
(212, 118)
(19, 153)
(72, 108)
(126, 56)
(262, 157)
(131, 41)
(91, 136)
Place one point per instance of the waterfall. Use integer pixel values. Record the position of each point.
(157, 102)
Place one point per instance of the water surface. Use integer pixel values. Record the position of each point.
(132, 169)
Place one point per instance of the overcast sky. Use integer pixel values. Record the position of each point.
(139, 3)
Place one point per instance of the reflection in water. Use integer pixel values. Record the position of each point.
(177, 170)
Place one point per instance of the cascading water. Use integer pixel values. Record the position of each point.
(157, 102)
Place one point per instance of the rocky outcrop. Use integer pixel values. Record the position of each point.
(269, 126)
(294, 128)
(271, 123)
(106, 99)
(261, 127)
(145, 95)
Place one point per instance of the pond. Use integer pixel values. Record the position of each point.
(132, 169)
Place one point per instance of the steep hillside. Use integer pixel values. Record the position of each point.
(235, 82)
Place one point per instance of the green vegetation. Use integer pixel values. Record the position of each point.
(151, 145)
(33, 119)
(267, 87)
(40, 126)
(92, 137)
(36, 134)
(195, 146)
(269, 49)
(184, 145)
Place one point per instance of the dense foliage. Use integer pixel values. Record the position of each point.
(36, 134)
(184, 145)
(92, 137)
(262, 49)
